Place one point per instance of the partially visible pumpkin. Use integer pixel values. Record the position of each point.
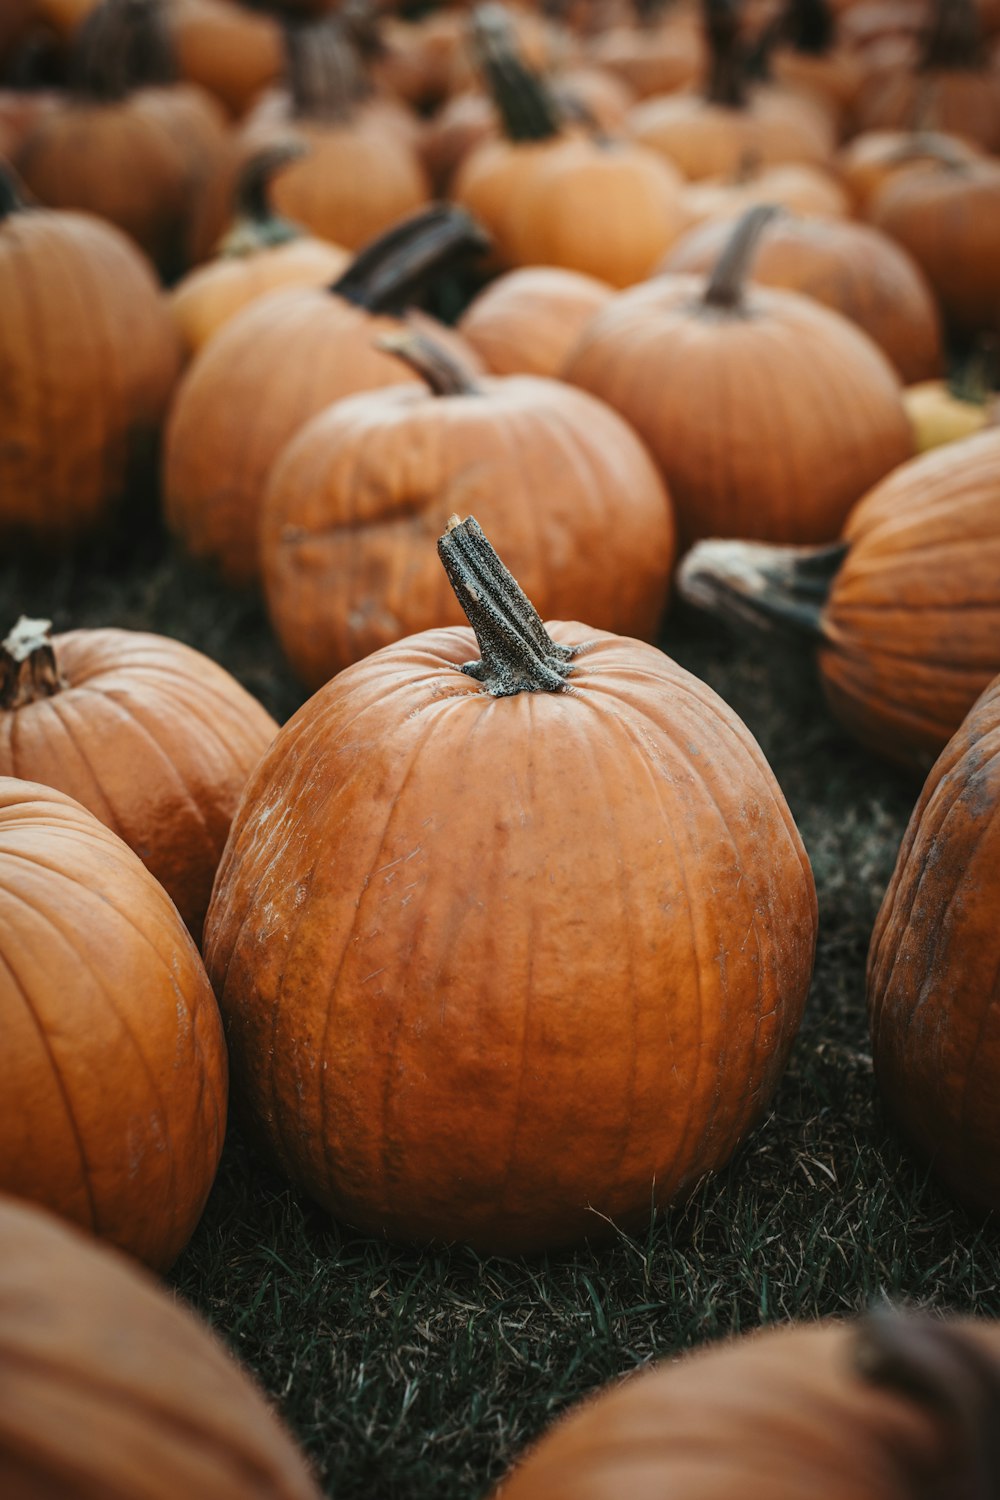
(527, 321)
(113, 1074)
(873, 157)
(811, 192)
(112, 1388)
(941, 415)
(231, 52)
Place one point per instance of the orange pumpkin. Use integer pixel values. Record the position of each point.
(852, 268)
(88, 358)
(905, 612)
(226, 49)
(934, 966)
(811, 192)
(664, 53)
(894, 1407)
(102, 1372)
(236, 407)
(873, 157)
(127, 144)
(527, 321)
(422, 1011)
(261, 253)
(355, 500)
(113, 1072)
(152, 737)
(717, 378)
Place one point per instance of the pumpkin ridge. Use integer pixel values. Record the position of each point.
(54, 1068)
(53, 708)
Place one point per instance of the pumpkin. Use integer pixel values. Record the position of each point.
(88, 359)
(430, 988)
(807, 57)
(150, 735)
(716, 378)
(112, 1388)
(113, 1072)
(891, 1407)
(555, 196)
(852, 268)
(236, 407)
(934, 966)
(227, 50)
(128, 144)
(948, 217)
(261, 253)
(939, 414)
(810, 192)
(355, 500)
(664, 53)
(527, 321)
(905, 612)
(873, 157)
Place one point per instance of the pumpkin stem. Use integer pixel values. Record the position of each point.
(727, 82)
(256, 225)
(727, 282)
(518, 654)
(809, 27)
(762, 585)
(28, 667)
(389, 273)
(437, 367)
(11, 201)
(945, 1371)
(954, 40)
(527, 108)
(122, 45)
(325, 76)
(930, 143)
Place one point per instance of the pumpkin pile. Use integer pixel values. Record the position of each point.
(446, 352)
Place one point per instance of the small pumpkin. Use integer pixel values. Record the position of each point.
(934, 966)
(151, 736)
(228, 50)
(88, 360)
(713, 376)
(236, 407)
(890, 1407)
(111, 1387)
(810, 192)
(905, 612)
(438, 964)
(355, 500)
(113, 1075)
(873, 157)
(527, 321)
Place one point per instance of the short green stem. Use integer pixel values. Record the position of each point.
(256, 225)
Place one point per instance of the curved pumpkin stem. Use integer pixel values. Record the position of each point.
(122, 45)
(761, 585)
(387, 275)
(28, 667)
(437, 367)
(518, 654)
(527, 108)
(726, 284)
(256, 224)
(945, 1371)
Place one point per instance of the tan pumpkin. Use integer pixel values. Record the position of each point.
(852, 268)
(151, 736)
(717, 378)
(113, 1076)
(527, 321)
(934, 966)
(103, 1372)
(893, 1407)
(905, 612)
(261, 253)
(128, 144)
(356, 500)
(236, 407)
(417, 998)
(88, 359)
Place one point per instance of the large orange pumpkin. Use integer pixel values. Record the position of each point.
(355, 501)
(88, 358)
(150, 735)
(934, 966)
(113, 1067)
(471, 911)
(768, 414)
(895, 1407)
(905, 612)
(527, 321)
(111, 1388)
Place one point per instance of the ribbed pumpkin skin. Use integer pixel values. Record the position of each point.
(452, 933)
(354, 505)
(113, 1389)
(113, 1077)
(934, 966)
(154, 739)
(767, 424)
(710, 140)
(88, 358)
(851, 268)
(527, 321)
(911, 629)
(777, 1415)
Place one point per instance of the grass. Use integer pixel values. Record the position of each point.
(420, 1375)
